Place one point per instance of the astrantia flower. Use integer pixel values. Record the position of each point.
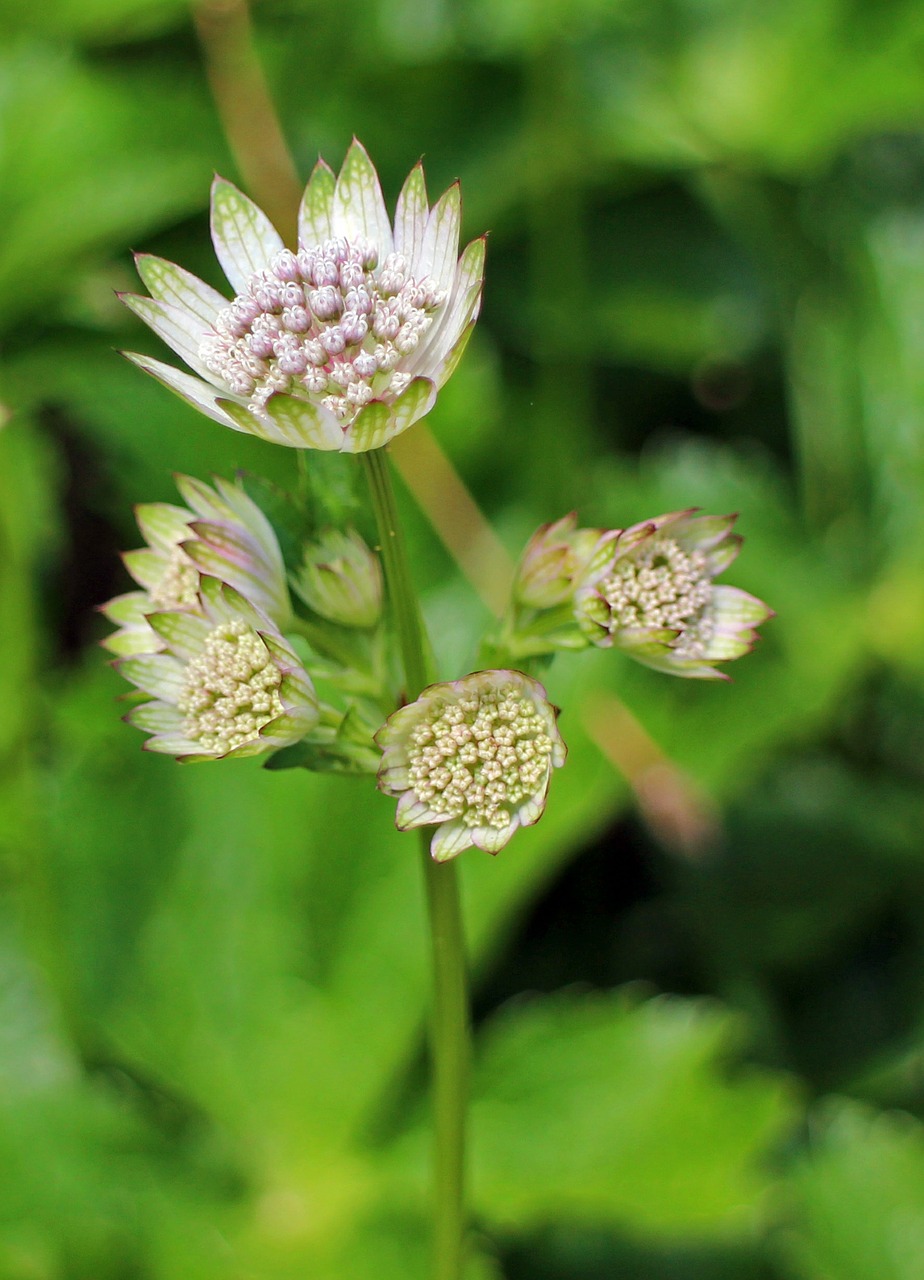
(649, 590)
(473, 756)
(226, 683)
(340, 345)
(222, 533)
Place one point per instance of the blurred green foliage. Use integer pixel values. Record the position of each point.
(705, 287)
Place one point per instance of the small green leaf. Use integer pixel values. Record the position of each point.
(594, 1109)
(859, 1192)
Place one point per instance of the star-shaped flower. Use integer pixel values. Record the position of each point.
(339, 345)
(227, 683)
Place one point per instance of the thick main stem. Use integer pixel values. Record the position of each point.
(449, 1032)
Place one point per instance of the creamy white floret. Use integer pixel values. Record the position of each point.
(178, 586)
(661, 586)
(481, 756)
(230, 689)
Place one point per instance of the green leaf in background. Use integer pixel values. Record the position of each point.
(677, 1141)
(68, 137)
(858, 1196)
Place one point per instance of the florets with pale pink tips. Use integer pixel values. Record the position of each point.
(341, 343)
(323, 321)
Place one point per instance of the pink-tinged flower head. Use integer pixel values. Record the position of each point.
(341, 344)
(473, 757)
(226, 683)
(221, 533)
(649, 590)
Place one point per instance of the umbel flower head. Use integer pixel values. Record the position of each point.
(341, 344)
(227, 683)
(221, 533)
(649, 590)
(473, 757)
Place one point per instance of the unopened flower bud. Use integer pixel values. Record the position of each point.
(553, 558)
(341, 579)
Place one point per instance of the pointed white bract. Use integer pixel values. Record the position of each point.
(473, 757)
(220, 532)
(649, 590)
(226, 682)
(340, 345)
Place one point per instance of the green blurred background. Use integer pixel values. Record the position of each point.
(700, 1002)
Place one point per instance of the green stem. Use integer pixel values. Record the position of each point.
(402, 598)
(450, 1047)
(449, 1032)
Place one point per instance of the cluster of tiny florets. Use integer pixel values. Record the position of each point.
(178, 587)
(480, 757)
(661, 586)
(231, 689)
(329, 320)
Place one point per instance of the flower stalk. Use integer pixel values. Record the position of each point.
(450, 1033)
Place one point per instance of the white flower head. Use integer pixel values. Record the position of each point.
(339, 345)
(226, 683)
(649, 590)
(221, 533)
(473, 757)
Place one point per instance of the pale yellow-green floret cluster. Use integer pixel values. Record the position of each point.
(178, 587)
(230, 690)
(661, 586)
(480, 757)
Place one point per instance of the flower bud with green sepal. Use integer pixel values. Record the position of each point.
(341, 580)
(540, 620)
(554, 556)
